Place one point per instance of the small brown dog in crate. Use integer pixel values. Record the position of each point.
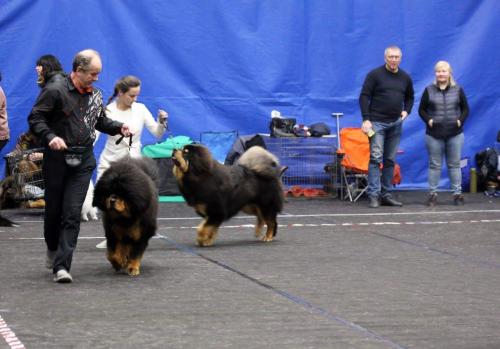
(16, 190)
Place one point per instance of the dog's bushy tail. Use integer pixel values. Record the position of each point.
(261, 161)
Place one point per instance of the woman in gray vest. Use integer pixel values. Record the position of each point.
(444, 109)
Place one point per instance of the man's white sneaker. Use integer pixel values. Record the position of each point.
(63, 277)
(102, 244)
(49, 259)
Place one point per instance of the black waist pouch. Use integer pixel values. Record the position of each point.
(74, 156)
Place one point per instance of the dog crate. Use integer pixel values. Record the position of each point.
(311, 161)
(24, 179)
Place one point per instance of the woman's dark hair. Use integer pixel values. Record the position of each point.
(0, 76)
(50, 66)
(123, 85)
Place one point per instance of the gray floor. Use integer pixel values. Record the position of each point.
(339, 275)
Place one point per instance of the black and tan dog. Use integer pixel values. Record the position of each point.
(219, 192)
(127, 194)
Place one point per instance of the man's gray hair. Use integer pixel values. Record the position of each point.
(394, 48)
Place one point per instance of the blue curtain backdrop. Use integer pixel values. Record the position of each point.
(224, 65)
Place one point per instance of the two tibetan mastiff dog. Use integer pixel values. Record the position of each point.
(218, 192)
(127, 194)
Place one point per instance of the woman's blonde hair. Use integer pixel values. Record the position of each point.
(445, 65)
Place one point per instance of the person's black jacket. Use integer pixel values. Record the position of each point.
(60, 110)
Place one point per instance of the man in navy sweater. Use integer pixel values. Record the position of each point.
(386, 100)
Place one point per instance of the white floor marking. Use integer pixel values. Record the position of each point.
(300, 225)
(9, 336)
(286, 215)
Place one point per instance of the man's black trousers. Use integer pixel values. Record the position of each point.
(65, 191)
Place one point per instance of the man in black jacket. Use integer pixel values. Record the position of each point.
(386, 100)
(65, 116)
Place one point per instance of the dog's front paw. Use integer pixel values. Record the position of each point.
(133, 271)
(93, 214)
(89, 214)
(118, 261)
(204, 242)
(116, 265)
(267, 238)
(206, 234)
(133, 267)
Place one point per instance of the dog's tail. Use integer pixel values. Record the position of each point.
(262, 162)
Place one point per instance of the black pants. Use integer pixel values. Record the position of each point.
(65, 191)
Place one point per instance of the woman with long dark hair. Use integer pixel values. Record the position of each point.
(47, 67)
(123, 106)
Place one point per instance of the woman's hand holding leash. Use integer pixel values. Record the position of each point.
(162, 117)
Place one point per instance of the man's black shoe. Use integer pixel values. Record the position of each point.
(374, 203)
(458, 199)
(388, 201)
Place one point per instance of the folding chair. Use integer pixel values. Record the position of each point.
(354, 156)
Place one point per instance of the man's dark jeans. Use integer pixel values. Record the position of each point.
(383, 149)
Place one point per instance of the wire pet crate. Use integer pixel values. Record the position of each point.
(311, 161)
(24, 179)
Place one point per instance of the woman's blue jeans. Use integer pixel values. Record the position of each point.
(383, 149)
(452, 149)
